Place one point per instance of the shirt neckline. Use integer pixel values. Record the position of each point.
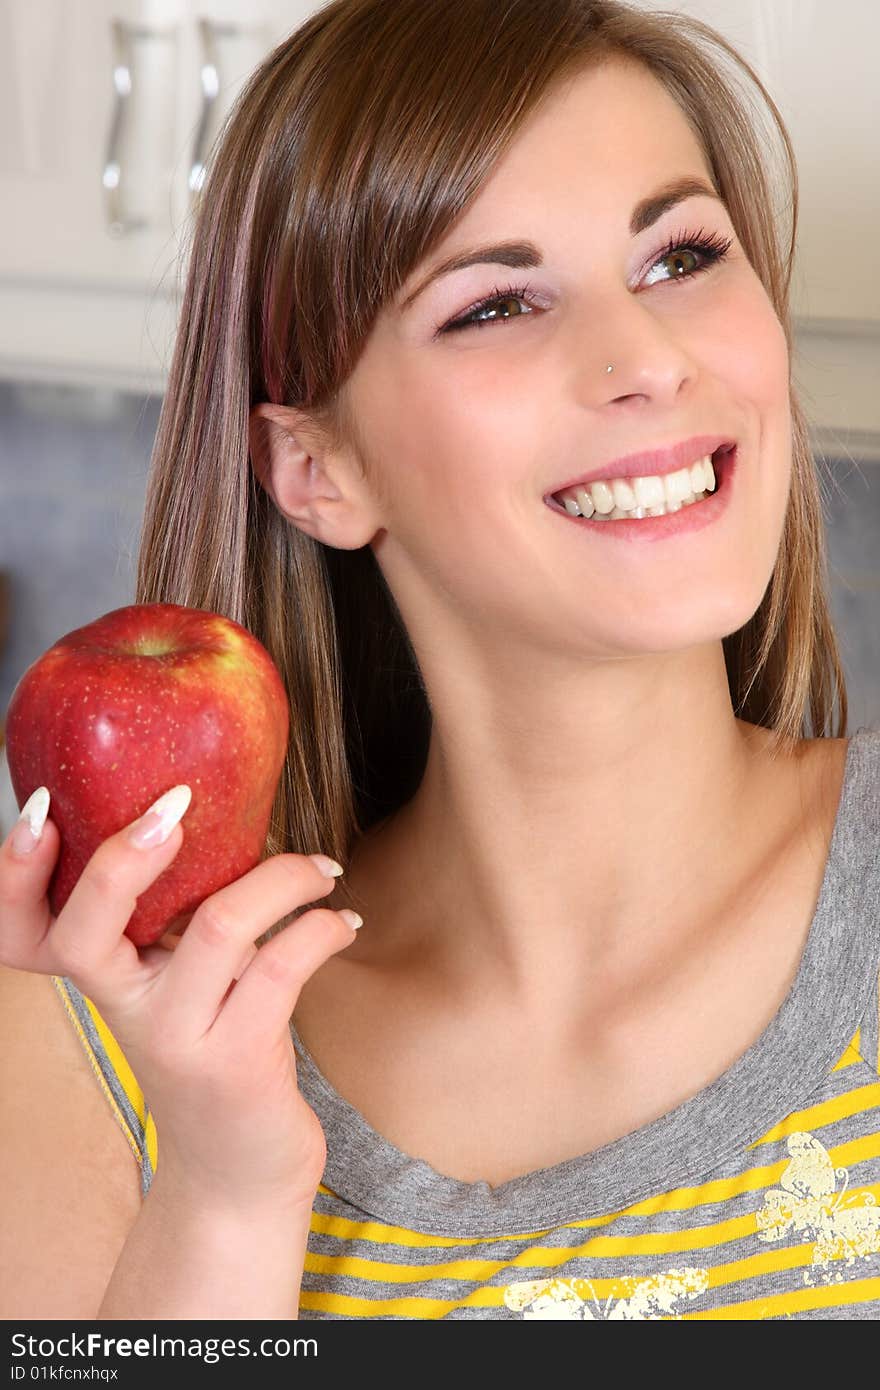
(799, 1046)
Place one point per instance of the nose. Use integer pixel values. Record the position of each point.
(648, 360)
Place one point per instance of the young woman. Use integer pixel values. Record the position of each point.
(481, 418)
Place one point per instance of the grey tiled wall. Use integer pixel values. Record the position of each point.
(73, 468)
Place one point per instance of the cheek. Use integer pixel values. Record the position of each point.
(752, 364)
(454, 461)
(446, 442)
(751, 354)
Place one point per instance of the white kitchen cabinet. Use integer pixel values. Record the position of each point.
(107, 110)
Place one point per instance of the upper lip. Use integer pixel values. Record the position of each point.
(661, 460)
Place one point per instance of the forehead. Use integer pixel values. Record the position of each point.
(615, 125)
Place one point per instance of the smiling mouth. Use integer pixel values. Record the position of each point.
(650, 496)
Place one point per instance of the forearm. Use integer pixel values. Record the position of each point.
(183, 1261)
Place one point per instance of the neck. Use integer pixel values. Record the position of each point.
(547, 845)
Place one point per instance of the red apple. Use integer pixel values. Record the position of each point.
(119, 711)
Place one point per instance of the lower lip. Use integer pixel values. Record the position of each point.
(661, 528)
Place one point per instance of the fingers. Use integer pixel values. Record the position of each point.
(189, 986)
(26, 865)
(89, 935)
(259, 1006)
(87, 940)
(214, 947)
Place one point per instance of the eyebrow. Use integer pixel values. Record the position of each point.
(524, 255)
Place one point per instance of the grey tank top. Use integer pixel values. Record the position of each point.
(756, 1198)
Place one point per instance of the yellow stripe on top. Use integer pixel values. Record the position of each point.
(121, 1071)
(770, 1306)
(852, 1054)
(128, 1082)
(96, 1066)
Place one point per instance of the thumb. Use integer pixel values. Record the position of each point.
(28, 831)
(27, 862)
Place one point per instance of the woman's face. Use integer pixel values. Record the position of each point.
(472, 427)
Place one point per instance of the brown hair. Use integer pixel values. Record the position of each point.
(347, 156)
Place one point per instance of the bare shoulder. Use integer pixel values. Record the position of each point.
(807, 777)
(70, 1187)
(825, 761)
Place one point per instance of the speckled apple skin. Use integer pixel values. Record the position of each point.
(119, 711)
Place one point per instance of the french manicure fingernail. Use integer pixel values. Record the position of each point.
(29, 826)
(354, 919)
(158, 821)
(329, 867)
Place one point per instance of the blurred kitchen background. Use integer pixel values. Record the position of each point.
(107, 115)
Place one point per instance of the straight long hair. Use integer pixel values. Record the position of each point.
(347, 156)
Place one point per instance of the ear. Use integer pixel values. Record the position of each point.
(292, 463)
(280, 447)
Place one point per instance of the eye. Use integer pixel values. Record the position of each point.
(504, 295)
(709, 250)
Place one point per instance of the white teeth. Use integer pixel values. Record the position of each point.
(624, 495)
(601, 495)
(678, 486)
(618, 498)
(649, 492)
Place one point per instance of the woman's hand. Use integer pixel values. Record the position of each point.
(204, 1026)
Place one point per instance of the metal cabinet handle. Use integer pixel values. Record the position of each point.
(208, 32)
(122, 38)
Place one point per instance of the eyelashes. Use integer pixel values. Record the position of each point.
(711, 248)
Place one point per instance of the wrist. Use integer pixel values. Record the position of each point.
(185, 1198)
